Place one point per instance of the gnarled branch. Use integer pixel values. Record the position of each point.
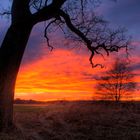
(79, 33)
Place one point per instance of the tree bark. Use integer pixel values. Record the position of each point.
(11, 52)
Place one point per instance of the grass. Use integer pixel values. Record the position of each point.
(77, 121)
(29, 108)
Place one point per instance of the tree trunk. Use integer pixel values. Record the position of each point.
(11, 53)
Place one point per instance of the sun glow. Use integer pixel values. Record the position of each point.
(62, 74)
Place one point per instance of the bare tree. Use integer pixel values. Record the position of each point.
(116, 83)
(77, 21)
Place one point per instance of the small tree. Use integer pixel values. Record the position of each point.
(116, 83)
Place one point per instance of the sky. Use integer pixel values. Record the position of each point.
(65, 73)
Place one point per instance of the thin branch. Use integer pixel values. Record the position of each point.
(46, 35)
(79, 33)
(5, 13)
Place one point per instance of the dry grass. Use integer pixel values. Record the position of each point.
(78, 121)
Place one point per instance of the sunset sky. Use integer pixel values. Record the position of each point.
(65, 73)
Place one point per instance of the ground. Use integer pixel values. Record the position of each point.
(76, 121)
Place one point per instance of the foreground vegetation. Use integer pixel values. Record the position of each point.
(76, 121)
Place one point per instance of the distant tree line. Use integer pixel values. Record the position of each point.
(20, 101)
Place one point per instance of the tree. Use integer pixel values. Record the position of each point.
(116, 83)
(75, 18)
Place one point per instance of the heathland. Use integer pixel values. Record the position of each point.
(79, 120)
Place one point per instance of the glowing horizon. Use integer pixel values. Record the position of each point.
(56, 76)
(60, 75)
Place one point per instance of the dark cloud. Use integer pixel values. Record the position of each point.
(37, 45)
(4, 24)
(135, 66)
(33, 49)
(123, 13)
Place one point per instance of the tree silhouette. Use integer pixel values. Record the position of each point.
(75, 18)
(116, 83)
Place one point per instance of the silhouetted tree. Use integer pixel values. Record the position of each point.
(75, 18)
(116, 83)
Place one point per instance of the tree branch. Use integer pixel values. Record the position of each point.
(46, 35)
(48, 12)
(5, 13)
(79, 33)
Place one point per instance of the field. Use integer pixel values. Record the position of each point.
(76, 121)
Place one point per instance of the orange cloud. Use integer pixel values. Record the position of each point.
(61, 74)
